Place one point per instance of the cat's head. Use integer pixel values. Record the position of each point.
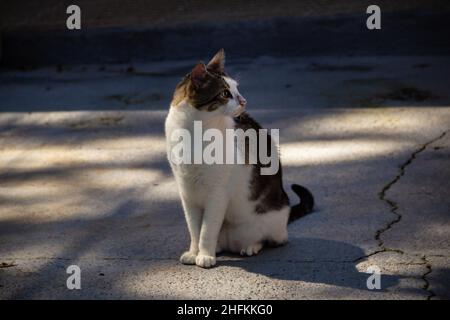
(208, 88)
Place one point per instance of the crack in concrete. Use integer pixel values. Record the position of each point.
(398, 217)
(393, 205)
(426, 286)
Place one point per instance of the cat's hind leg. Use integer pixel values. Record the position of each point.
(244, 239)
(252, 250)
(248, 238)
(275, 225)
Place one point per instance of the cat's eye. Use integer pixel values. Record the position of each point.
(227, 94)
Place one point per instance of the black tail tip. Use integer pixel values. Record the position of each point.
(306, 197)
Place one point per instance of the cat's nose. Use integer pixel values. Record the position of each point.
(242, 100)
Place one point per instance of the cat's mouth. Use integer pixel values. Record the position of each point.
(239, 110)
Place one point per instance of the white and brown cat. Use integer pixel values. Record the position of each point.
(227, 207)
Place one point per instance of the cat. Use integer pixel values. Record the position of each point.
(231, 208)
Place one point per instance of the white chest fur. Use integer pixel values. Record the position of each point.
(194, 180)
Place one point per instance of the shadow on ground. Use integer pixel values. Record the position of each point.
(313, 261)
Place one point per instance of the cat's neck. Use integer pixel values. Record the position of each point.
(186, 115)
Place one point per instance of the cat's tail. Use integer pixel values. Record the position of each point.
(305, 206)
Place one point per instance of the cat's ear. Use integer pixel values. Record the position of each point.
(217, 63)
(198, 74)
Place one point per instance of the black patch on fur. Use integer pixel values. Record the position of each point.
(266, 189)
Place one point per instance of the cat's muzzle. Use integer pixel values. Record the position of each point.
(239, 110)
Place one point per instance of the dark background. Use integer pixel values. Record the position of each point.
(34, 33)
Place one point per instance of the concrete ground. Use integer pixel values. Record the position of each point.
(84, 180)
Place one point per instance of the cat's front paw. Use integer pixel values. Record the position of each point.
(205, 261)
(188, 258)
